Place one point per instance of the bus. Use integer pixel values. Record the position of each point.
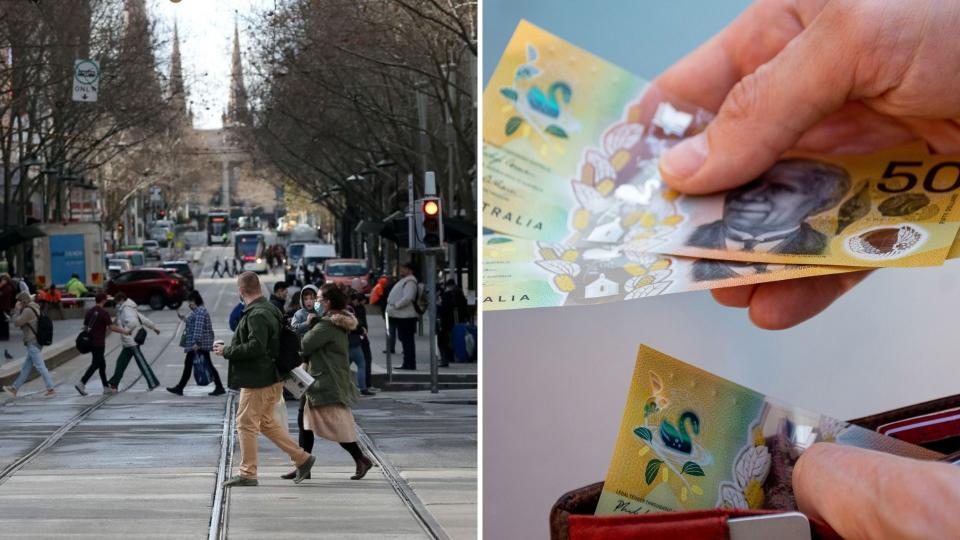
(218, 228)
(250, 249)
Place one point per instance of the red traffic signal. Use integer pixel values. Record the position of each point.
(431, 207)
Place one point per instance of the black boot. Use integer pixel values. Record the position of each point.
(363, 465)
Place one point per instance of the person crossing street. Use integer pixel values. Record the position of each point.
(97, 321)
(198, 341)
(132, 321)
(252, 355)
(26, 316)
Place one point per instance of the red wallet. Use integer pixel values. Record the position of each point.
(934, 424)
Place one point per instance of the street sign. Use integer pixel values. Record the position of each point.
(86, 80)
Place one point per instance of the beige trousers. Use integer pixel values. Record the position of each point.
(255, 415)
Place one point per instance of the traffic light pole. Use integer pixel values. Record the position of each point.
(431, 263)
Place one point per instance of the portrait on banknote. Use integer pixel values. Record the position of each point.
(770, 213)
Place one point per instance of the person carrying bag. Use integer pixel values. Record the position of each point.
(197, 342)
(135, 324)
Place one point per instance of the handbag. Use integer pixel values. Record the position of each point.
(928, 424)
(141, 335)
(201, 371)
(297, 381)
(84, 341)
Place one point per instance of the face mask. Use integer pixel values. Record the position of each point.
(318, 308)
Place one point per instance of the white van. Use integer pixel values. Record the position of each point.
(314, 255)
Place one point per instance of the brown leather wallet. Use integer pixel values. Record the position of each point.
(571, 517)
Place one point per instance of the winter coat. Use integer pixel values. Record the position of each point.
(253, 351)
(326, 350)
(26, 321)
(130, 319)
(401, 299)
(300, 324)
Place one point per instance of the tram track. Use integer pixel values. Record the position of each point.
(8, 471)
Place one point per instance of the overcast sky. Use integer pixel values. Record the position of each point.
(206, 41)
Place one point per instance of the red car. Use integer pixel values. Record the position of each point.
(351, 272)
(154, 286)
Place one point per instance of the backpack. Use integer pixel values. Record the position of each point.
(288, 356)
(44, 331)
(421, 303)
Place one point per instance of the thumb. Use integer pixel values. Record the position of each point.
(764, 115)
(865, 494)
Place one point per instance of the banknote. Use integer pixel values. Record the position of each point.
(522, 273)
(571, 148)
(692, 440)
(880, 209)
(556, 115)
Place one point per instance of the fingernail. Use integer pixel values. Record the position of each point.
(686, 158)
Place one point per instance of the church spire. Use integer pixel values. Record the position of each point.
(238, 112)
(178, 93)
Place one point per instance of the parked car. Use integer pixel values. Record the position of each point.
(151, 249)
(113, 271)
(153, 286)
(346, 272)
(182, 268)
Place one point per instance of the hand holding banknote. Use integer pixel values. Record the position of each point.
(866, 494)
(823, 76)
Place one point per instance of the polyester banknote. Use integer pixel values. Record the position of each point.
(571, 147)
(692, 440)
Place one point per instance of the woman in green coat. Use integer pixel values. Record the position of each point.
(325, 347)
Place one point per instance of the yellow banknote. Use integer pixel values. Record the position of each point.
(881, 209)
(521, 273)
(692, 440)
(571, 151)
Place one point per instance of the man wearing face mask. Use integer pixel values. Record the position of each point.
(252, 355)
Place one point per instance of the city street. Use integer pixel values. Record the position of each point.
(147, 464)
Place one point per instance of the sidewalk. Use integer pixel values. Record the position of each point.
(377, 333)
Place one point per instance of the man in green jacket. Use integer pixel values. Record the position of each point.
(75, 286)
(252, 355)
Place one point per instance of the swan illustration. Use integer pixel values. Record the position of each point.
(679, 439)
(548, 103)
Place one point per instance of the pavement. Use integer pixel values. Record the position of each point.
(144, 463)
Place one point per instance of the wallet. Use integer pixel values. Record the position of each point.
(933, 424)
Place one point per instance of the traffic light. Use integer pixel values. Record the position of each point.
(430, 223)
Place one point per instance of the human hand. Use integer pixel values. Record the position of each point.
(310, 316)
(218, 348)
(867, 494)
(156, 331)
(840, 76)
